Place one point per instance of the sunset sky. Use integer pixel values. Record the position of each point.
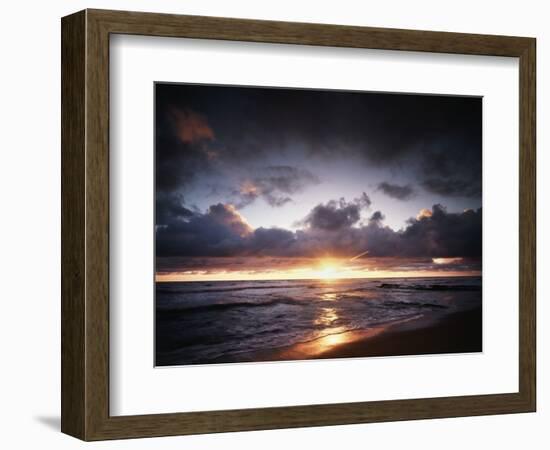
(257, 183)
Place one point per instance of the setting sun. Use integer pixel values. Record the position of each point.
(325, 269)
(328, 269)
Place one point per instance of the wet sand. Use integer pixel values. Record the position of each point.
(455, 333)
(458, 332)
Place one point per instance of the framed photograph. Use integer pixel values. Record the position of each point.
(271, 225)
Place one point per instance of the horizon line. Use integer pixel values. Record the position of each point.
(468, 274)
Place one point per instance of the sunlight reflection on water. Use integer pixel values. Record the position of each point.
(327, 317)
(329, 296)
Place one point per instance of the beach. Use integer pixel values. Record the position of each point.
(458, 332)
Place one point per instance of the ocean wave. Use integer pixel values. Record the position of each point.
(430, 287)
(401, 305)
(227, 289)
(225, 306)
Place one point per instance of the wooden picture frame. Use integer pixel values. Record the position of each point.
(85, 224)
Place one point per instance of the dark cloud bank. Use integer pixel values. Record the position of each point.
(331, 229)
(396, 191)
(336, 215)
(202, 129)
(204, 132)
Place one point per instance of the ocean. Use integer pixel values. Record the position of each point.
(236, 321)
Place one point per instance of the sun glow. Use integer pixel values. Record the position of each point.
(446, 260)
(327, 269)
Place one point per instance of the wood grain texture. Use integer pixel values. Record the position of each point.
(97, 226)
(151, 24)
(85, 224)
(527, 224)
(73, 109)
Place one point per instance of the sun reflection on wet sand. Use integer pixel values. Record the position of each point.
(334, 337)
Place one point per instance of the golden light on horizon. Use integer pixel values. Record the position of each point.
(328, 272)
(447, 260)
(190, 276)
(330, 269)
(326, 269)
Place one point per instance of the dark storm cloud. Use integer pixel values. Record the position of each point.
(254, 144)
(438, 137)
(221, 231)
(446, 234)
(271, 241)
(451, 164)
(440, 234)
(335, 215)
(277, 202)
(332, 229)
(453, 187)
(286, 179)
(396, 191)
(363, 201)
(185, 147)
(275, 184)
(178, 164)
(170, 207)
(377, 217)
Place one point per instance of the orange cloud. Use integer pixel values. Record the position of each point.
(423, 213)
(248, 188)
(191, 126)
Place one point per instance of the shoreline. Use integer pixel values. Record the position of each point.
(433, 334)
(457, 332)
